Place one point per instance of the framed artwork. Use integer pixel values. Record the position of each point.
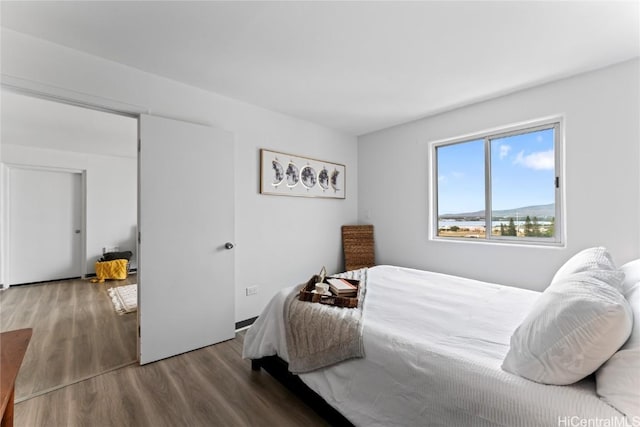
(284, 174)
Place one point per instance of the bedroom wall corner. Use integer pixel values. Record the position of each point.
(602, 178)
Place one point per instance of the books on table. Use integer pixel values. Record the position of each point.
(342, 287)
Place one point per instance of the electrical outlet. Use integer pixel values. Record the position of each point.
(252, 290)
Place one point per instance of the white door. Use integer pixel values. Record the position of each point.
(45, 223)
(186, 275)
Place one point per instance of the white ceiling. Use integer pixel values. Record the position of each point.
(354, 66)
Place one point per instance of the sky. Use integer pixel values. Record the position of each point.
(522, 173)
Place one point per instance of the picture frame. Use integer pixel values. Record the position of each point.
(283, 174)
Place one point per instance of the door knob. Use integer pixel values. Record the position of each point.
(228, 245)
(77, 231)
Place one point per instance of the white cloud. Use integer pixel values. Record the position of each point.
(541, 160)
(450, 177)
(504, 151)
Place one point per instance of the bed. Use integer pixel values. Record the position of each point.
(434, 345)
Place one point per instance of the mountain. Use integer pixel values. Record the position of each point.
(541, 211)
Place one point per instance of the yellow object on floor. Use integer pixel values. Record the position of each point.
(116, 269)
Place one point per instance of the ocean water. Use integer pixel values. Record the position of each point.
(479, 224)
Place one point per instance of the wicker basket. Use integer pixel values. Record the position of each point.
(358, 246)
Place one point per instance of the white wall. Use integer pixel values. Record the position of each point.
(269, 229)
(602, 135)
(111, 187)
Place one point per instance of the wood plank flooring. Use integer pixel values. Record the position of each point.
(212, 386)
(76, 332)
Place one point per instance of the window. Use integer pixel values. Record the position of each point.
(502, 186)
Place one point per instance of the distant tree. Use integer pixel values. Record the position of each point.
(535, 227)
(502, 229)
(454, 228)
(528, 229)
(511, 229)
(551, 229)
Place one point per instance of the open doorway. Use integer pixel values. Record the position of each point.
(77, 333)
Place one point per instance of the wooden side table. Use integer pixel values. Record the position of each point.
(13, 346)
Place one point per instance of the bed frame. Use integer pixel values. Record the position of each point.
(279, 369)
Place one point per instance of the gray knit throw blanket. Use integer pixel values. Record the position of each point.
(320, 335)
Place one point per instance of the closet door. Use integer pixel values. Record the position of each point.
(186, 208)
(45, 225)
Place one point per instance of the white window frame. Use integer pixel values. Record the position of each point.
(556, 122)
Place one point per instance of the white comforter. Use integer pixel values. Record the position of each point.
(434, 344)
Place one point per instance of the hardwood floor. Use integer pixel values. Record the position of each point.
(212, 386)
(77, 336)
(76, 332)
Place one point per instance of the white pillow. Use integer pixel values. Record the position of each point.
(575, 325)
(631, 272)
(618, 380)
(591, 259)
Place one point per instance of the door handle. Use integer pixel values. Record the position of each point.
(77, 231)
(228, 245)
